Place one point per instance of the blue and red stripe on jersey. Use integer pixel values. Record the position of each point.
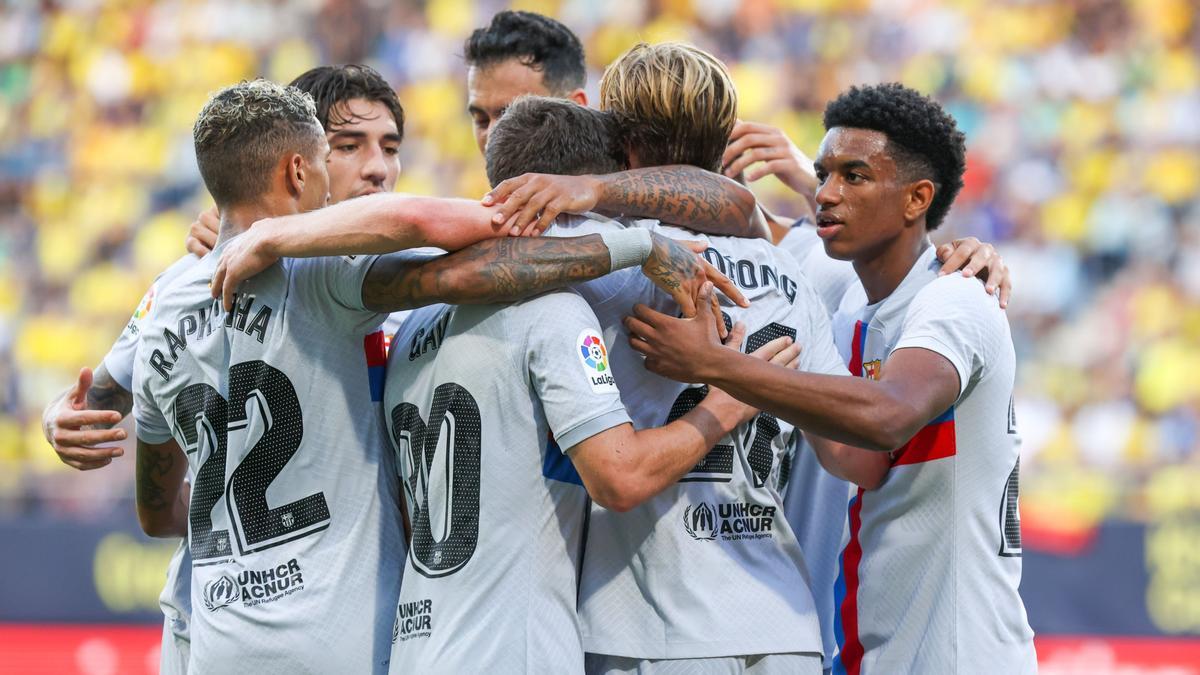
(375, 349)
(845, 591)
(935, 440)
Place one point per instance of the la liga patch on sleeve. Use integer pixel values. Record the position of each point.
(593, 356)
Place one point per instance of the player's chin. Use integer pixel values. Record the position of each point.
(839, 249)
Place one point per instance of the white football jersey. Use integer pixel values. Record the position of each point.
(831, 278)
(294, 524)
(482, 403)
(709, 567)
(929, 573)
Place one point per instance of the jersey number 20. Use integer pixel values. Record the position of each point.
(440, 466)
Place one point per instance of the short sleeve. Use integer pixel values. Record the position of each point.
(569, 369)
(955, 317)
(119, 359)
(152, 425)
(330, 290)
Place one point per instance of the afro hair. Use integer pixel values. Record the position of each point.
(922, 137)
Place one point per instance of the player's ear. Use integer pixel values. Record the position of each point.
(294, 174)
(920, 196)
(579, 96)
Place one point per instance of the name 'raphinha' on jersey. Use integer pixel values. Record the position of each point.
(201, 323)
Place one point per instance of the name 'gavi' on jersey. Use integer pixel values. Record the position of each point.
(483, 402)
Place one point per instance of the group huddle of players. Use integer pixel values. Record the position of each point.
(638, 424)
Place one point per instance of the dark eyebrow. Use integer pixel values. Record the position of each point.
(854, 164)
(354, 134)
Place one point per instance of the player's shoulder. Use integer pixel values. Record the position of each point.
(959, 294)
(548, 307)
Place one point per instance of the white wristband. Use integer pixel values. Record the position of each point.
(627, 247)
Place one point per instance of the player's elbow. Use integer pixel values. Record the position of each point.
(867, 478)
(157, 525)
(616, 493)
(897, 424)
(616, 490)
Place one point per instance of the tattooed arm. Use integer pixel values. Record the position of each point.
(162, 495)
(505, 270)
(83, 416)
(683, 195)
(373, 224)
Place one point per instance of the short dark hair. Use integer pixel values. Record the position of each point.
(331, 85)
(537, 41)
(244, 129)
(551, 135)
(923, 138)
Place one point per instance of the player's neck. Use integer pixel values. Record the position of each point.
(882, 273)
(238, 219)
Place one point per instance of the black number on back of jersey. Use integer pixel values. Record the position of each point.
(717, 465)
(200, 409)
(761, 455)
(452, 476)
(1010, 517)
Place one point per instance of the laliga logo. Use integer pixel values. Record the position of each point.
(700, 523)
(593, 353)
(221, 592)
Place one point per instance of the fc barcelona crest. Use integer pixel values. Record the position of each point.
(871, 369)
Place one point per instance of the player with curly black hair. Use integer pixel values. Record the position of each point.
(520, 53)
(923, 139)
(929, 573)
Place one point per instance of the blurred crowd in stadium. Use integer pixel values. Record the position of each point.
(1084, 169)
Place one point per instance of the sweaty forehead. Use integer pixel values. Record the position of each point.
(493, 86)
(844, 144)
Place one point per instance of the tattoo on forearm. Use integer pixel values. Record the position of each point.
(152, 469)
(106, 394)
(683, 195)
(495, 270)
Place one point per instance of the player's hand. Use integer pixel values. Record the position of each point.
(976, 258)
(71, 429)
(677, 268)
(773, 152)
(677, 348)
(530, 202)
(202, 235)
(243, 257)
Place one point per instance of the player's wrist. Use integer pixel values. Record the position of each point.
(714, 363)
(628, 247)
